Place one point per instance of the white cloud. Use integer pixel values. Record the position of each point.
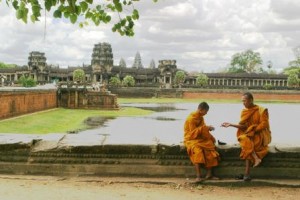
(201, 35)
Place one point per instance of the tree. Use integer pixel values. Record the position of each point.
(3, 65)
(293, 79)
(78, 75)
(82, 11)
(293, 73)
(247, 61)
(202, 79)
(128, 81)
(180, 78)
(27, 81)
(115, 81)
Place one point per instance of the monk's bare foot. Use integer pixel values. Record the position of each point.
(257, 162)
(199, 180)
(212, 178)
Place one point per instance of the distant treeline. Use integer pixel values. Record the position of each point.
(4, 65)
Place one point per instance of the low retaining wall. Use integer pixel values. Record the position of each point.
(201, 93)
(16, 102)
(289, 96)
(137, 160)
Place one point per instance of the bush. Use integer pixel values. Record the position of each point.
(78, 75)
(128, 81)
(27, 81)
(115, 81)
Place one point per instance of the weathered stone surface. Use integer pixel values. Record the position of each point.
(49, 157)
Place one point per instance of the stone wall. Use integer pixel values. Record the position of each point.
(289, 96)
(81, 98)
(23, 101)
(136, 92)
(137, 160)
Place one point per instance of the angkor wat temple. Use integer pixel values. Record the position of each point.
(102, 68)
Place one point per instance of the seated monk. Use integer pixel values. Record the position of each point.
(200, 144)
(253, 133)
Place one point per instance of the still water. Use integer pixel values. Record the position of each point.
(166, 124)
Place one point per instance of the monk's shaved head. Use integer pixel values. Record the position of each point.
(203, 106)
(248, 95)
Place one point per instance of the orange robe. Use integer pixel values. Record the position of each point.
(257, 135)
(199, 142)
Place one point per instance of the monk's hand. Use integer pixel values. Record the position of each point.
(225, 124)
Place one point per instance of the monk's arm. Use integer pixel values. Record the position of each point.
(264, 122)
(194, 130)
(240, 126)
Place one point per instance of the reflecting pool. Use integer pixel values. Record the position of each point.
(165, 125)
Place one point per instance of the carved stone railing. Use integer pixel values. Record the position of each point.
(137, 160)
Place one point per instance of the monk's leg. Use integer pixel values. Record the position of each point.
(198, 172)
(247, 171)
(210, 175)
(257, 160)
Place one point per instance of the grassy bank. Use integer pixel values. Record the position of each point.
(60, 120)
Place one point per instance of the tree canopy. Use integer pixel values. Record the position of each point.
(180, 77)
(202, 79)
(82, 11)
(128, 81)
(4, 65)
(247, 61)
(78, 75)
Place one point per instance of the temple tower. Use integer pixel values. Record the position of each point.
(37, 65)
(167, 70)
(102, 61)
(137, 61)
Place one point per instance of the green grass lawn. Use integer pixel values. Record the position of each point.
(60, 120)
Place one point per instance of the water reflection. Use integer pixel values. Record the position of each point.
(166, 124)
(153, 107)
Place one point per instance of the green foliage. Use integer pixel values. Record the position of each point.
(202, 79)
(247, 61)
(267, 86)
(289, 70)
(27, 81)
(5, 66)
(95, 11)
(128, 81)
(78, 75)
(115, 81)
(180, 77)
(293, 79)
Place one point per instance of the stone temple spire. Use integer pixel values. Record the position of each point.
(137, 61)
(152, 64)
(122, 63)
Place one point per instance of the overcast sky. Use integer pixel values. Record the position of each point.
(201, 35)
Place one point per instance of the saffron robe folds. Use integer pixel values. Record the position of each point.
(257, 135)
(199, 142)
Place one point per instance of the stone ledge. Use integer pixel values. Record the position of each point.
(136, 160)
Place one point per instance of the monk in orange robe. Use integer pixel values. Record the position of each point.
(200, 144)
(253, 133)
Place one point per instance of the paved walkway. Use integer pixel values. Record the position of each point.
(14, 187)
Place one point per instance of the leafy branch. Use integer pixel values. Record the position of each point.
(82, 11)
